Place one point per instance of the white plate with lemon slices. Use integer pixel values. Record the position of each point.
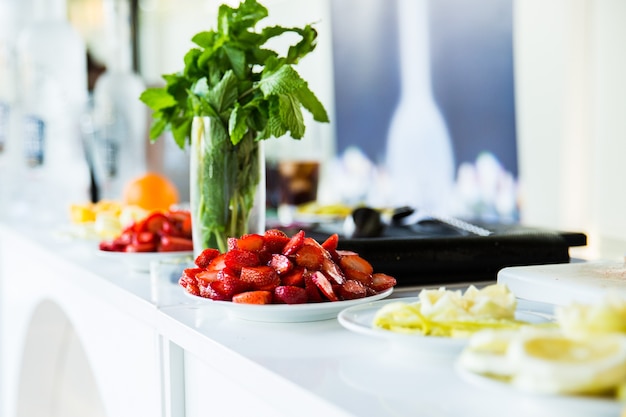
(359, 319)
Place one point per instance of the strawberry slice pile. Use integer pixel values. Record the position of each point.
(275, 269)
(158, 232)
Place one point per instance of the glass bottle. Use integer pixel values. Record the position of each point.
(119, 118)
(53, 93)
(419, 150)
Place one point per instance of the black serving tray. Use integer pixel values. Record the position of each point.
(435, 253)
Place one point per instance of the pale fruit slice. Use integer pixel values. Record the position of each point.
(550, 362)
(486, 353)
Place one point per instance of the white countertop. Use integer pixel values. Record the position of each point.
(310, 368)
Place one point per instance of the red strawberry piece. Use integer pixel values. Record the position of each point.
(218, 263)
(125, 238)
(294, 243)
(356, 268)
(171, 228)
(274, 240)
(192, 289)
(295, 277)
(330, 244)
(145, 237)
(231, 243)
(175, 244)
(236, 259)
(260, 277)
(253, 297)
(324, 285)
(206, 256)
(111, 246)
(141, 247)
(224, 287)
(205, 276)
(333, 271)
(287, 294)
(382, 282)
(355, 262)
(189, 276)
(342, 252)
(351, 290)
(251, 242)
(310, 257)
(153, 223)
(281, 264)
(313, 293)
(182, 221)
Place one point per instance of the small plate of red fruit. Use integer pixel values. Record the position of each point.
(160, 235)
(276, 278)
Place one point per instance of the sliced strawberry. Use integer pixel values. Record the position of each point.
(206, 256)
(205, 276)
(281, 264)
(251, 242)
(154, 222)
(182, 221)
(294, 243)
(175, 244)
(231, 243)
(275, 240)
(253, 297)
(313, 293)
(224, 287)
(290, 295)
(111, 246)
(192, 289)
(310, 257)
(141, 247)
(382, 282)
(333, 271)
(351, 290)
(342, 252)
(324, 285)
(355, 263)
(218, 263)
(189, 276)
(330, 244)
(236, 259)
(145, 237)
(260, 277)
(356, 268)
(294, 278)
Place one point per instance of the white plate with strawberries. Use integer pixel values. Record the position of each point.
(288, 313)
(280, 278)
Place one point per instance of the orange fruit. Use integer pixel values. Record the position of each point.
(151, 191)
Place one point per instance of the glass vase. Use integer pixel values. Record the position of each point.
(227, 185)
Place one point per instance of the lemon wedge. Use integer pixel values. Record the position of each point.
(551, 362)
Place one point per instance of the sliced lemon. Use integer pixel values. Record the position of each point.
(486, 353)
(551, 362)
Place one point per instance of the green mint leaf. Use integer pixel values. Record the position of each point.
(306, 45)
(285, 80)
(157, 98)
(237, 60)
(181, 127)
(225, 93)
(310, 102)
(237, 127)
(291, 115)
(275, 125)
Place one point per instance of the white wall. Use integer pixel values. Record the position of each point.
(570, 64)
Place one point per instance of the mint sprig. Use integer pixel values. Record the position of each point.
(234, 79)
